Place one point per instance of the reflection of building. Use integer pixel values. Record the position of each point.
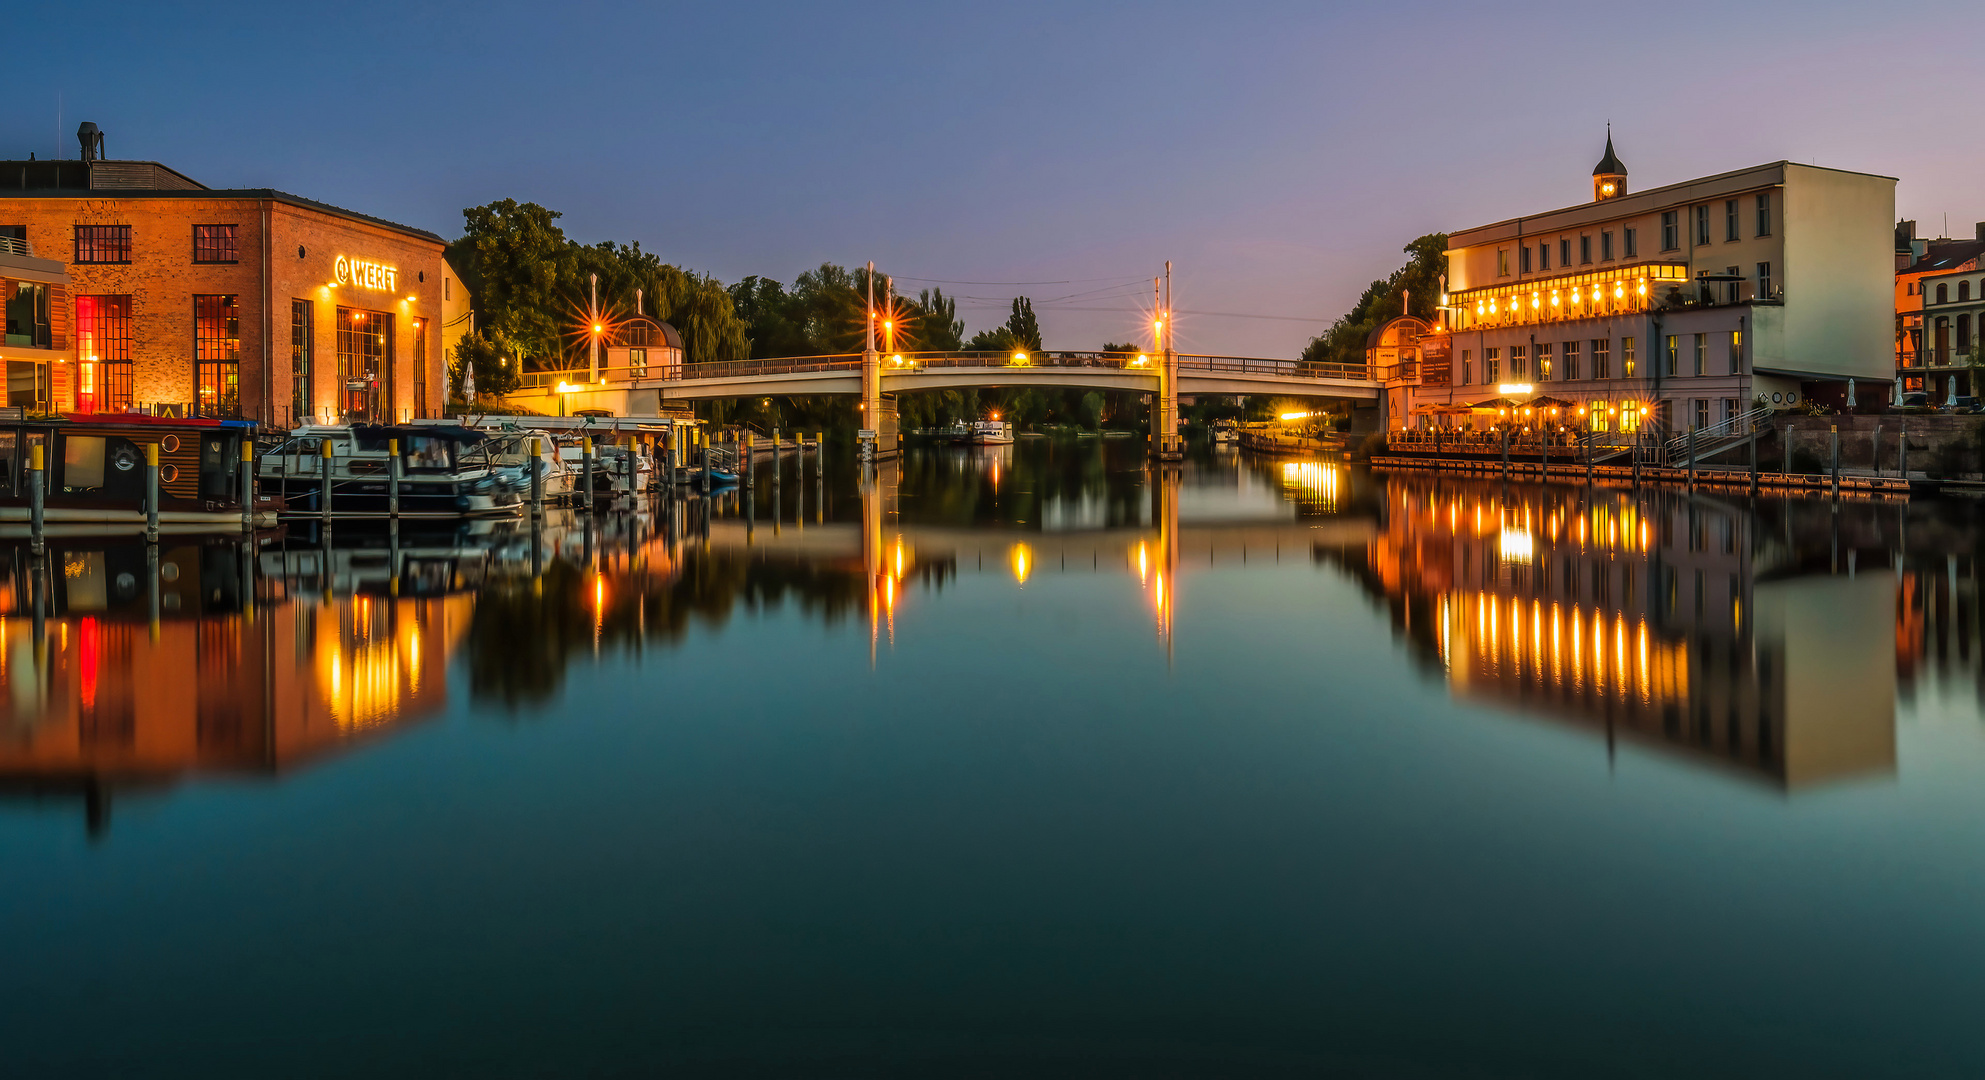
(105, 696)
(1693, 298)
(1642, 617)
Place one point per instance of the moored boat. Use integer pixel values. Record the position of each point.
(443, 471)
(93, 472)
(993, 432)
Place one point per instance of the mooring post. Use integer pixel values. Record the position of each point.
(703, 444)
(1902, 452)
(36, 544)
(1505, 453)
(1833, 442)
(746, 459)
(324, 493)
(1692, 459)
(537, 478)
(151, 493)
(1754, 464)
(586, 477)
(392, 478)
(247, 483)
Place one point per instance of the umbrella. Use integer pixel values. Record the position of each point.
(1494, 403)
(1551, 403)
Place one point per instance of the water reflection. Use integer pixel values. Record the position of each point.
(1732, 634)
(1773, 639)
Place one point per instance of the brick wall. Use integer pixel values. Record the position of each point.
(301, 245)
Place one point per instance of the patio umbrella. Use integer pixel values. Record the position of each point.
(1494, 403)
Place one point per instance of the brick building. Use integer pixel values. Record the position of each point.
(238, 302)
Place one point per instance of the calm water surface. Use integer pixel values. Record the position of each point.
(1011, 761)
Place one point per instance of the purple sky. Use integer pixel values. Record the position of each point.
(1279, 154)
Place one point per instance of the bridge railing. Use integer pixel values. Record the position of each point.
(909, 362)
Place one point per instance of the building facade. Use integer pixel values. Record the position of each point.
(187, 300)
(1936, 320)
(1685, 305)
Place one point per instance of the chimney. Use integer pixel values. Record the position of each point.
(1978, 231)
(91, 140)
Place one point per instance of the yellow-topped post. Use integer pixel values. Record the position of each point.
(151, 493)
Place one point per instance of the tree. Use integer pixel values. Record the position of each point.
(1344, 342)
(1021, 332)
(530, 287)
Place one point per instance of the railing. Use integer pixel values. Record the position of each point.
(908, 363)
(1741, 424)
(14, 245)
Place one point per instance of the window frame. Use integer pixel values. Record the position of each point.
(1570, 355)
(1630, 243)
(1602, 358)
(117, 236)
(109, 322)
(230, 245)
(1764, 213)
(217, 355)
(1702, 224)
(1671, 230)
(1732, 228)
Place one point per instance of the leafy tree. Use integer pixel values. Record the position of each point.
(1022, 331)
(1344, 342)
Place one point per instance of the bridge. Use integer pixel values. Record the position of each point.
(877, 378)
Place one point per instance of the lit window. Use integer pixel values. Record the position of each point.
(216, 243)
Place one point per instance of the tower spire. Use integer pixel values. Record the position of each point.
(1609, 177)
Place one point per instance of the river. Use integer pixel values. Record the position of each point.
(1026, 760)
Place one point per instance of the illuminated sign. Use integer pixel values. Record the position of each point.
(366, 275)
(1515, 388)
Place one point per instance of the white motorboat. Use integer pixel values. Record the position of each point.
(991, 433)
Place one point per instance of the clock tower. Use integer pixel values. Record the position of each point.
(1609, 177)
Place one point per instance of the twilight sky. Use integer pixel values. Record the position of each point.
(1279, 154)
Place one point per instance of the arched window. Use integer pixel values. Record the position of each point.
(1963, 332)
(1963, 291)
(1943, 294)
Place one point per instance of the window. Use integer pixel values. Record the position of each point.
(1764, 281)
(1943, 293)
(1491, 363)
(1671, 235)
(1673, 363)
(1736, 352)
(1730, 287)
(1544, 256)
(1631, 239)
(1519, 363)
(637, 363)
(1584, 249)
(1730, 231)
(447, 288)
(217, 355)
(1702, 354)
(365, 361)
(1702, 224)
(302, 320)
(216, 244)
(1564, 251)
(27, 314)
(1963, 291)
(1963, 333)
(1523, 260)
(1606, 245)
(1502, 262)
(103, 243)
(103, 353)
(1764, 213)
(1702, 420)
(1543, 361)
(1571, 360)
(1602, 359)
(1626, 357)
(1467, 369)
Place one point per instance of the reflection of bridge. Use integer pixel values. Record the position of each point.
(628, 390)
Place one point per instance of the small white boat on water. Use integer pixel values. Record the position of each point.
(1225, 433)
(991, 433)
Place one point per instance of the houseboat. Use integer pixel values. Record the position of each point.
(443, 471)
(93, 472)
(993, 432)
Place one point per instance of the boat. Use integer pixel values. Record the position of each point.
(957, 433)
(444, 471)
(994, 432)
(93, 477)
(1224, 432)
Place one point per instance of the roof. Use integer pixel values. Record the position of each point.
(1609, 165)
(268, 194)
(1945, 255)
(1646, 200)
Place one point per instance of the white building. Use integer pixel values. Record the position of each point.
(1690, 301)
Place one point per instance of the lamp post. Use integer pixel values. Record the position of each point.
(593, 341)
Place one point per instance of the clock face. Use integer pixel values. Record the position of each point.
(1606, 188)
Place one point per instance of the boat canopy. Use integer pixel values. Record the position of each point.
(375, 436)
